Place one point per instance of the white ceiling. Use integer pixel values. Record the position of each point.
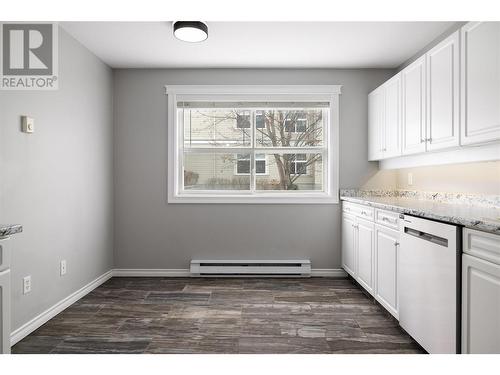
(258, 44)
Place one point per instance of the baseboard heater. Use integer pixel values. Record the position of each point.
(251, 268)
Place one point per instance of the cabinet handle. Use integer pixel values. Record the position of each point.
(396, 243)
(422, 140)
(363, 213)
(429, 140)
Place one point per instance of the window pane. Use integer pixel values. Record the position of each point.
(287, 172)
(291, 128)
(243, 166)
(300, 168)
(259, 119)
(243, 119)
(216, 171)
(289, 125)
(260, 166)
(205, 127)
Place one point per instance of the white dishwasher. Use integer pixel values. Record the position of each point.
(429, 283)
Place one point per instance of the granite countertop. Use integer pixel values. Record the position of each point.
(478, 217)
(8, 229)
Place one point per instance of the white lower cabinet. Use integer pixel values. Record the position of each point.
(365, 240)
(480, 306)
(349, 244)
(5, 311)
(370, 251)
(386, 268)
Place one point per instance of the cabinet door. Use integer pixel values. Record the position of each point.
(480, 306)
(375, 124)
(392, 117)
(348, 244)
(443, 94)
(5, 311)
(480, 68)
(386, 268)
(365, 241)
(413, 123)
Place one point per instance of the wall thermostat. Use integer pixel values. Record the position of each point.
(28, 124)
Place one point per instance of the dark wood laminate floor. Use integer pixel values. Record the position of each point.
(186, 315)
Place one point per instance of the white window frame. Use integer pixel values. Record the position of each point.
(303, 93)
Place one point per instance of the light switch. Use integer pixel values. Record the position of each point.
(28, 124)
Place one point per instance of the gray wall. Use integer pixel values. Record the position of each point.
(58, 181)
(152, 234)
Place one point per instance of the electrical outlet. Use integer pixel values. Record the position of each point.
(26, 284)
(410, 179)
(63, 267)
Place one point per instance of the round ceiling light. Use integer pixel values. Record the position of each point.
(191, 31)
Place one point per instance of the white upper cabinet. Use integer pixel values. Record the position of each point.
(384, 122)
(375, 124)
(447, 98)
(413, 122)
(443, 91)
(392, 118)
(480, 62)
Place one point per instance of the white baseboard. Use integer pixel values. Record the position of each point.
(48, 314)
(137, 272)
(151, 272)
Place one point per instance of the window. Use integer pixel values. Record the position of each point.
(243, 164)
(253, 144)
(296, 122)
(260, 120)
(298, 164)
(243, 120)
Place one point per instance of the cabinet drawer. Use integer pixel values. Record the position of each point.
(388, 218)
(482, 245)
(359, 210)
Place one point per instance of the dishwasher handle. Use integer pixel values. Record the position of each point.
(426, 236)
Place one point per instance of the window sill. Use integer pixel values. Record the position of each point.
(263, 198)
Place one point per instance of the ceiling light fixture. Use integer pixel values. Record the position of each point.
(190, 31)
